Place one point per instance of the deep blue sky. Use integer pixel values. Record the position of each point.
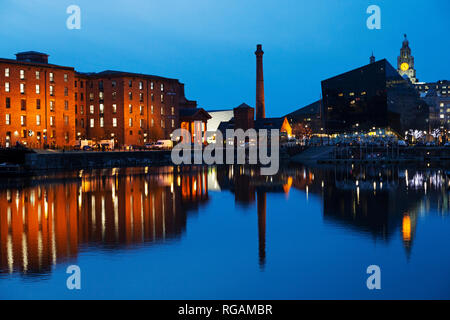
(209, 45)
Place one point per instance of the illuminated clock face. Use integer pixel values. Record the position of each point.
(404, 66)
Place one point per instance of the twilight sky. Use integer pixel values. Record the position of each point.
(209, 44)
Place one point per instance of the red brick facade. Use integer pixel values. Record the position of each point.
(130, 108)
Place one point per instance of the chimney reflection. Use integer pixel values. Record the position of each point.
(44, 225)
(262, 228)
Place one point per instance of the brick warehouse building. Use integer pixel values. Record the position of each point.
(36, 102)
(41, 103)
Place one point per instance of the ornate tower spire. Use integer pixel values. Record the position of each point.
(260, 104)
(405, 62)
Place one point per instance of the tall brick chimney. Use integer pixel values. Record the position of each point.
(260, 104)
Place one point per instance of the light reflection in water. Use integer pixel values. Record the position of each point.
(119, 209)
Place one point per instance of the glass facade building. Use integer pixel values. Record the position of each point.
(372, 96)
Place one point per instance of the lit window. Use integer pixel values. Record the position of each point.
(162, 98)
(130, 108)
(151, 85)
(22, 74)
(38, 75)
(162, 123)
(173, 123)
(151, 109)
(173, 111)
(141, 109)
(38, 120)
(23, 120)
(91, 109)
(6, 86)
(101, 95)
(162, 87)
(8, 119)
(38, 89)
(101, 122)
(114, 108)
(102, 108)
(66, 77)
(114, 122)
(22, 88)
(52, 105)
(162, 111)
(141, 85)
(52, 121)
(51, 76)
(52, 90)
(6, 72)
(92, 123)
(130, 122)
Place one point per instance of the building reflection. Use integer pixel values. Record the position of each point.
(43, 225)
(377, 201)
(48, 222)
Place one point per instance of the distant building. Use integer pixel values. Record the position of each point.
(437, 96)
(218, 116)
(244, 118)
(372, 96)
(405, 62)
(309, 116)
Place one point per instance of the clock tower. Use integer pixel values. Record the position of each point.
(405, 62)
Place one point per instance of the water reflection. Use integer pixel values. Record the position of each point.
(48, 220)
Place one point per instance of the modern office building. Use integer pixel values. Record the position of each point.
(374, 95)
(43, 104)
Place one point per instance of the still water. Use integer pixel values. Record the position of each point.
(227, 233)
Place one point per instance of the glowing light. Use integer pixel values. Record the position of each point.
(406, 228)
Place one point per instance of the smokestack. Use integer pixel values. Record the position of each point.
(260, 104)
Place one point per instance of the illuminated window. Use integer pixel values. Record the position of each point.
(22, 88)
(6, 86)
(151, 109)
(162, 87)
(6, 72)
(141, 110)
(151, 85)
(38, 120)
(173, 111)
(114, 122)
(8, 119)
(114, 108)
(52, 90)
(130, 122)
(38, 89)
(66, 77)
(52, 121)
(51, 76)
(130, 108)
(52, 105)
(38, 75)
(101, 122)
(22, 74)
(352, 94)
(341, 94)
(92, 123)
(162, 98)
(102, 108)
(173, 123)
(141, 85)
(162, 123)
(162, 111)
(91, 109)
